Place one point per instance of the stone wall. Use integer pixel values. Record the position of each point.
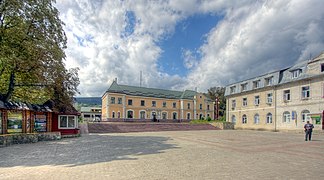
(9, 139)
(223, 125)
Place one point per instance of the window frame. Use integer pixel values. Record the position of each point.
(130, 102)
(233, 119)
(305, 115)
(286, 117)
(244, 119)
(257, 100)
(269, 118)
(256, 84)
(233, 103)
(142, 102)
(295, 73)
(67, 123)
(305, 93)
(269, 98)
(257, 119)
(120, 100)
(153, 103)
(112, 100)
(287, 95)
(244, 102)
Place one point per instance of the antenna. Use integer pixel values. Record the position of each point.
(140, 78)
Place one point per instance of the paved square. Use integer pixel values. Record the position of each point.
(231, 154)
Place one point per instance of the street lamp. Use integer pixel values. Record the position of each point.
(216, 108)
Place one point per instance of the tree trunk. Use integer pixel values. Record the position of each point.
(11, 87)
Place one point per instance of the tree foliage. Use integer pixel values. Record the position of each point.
(219, 93)
(32, 43)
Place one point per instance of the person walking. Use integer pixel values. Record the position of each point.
(308, 131)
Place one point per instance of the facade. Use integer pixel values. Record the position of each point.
(91, 113)
(131, 103)
(281, 100)
(17, 117)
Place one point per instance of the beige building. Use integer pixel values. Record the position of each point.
(131, 103)
(281, 100)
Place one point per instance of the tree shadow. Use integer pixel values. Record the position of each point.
(87, 149)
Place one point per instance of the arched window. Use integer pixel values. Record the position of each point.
(286, 117)
(269, 118)
(174, 115)
(244, 119)
(113, 114)
(130, 114)
(164, 115)
(188, 116)
(305, 115)
(233, 119)
(256, 119)
(142, 114)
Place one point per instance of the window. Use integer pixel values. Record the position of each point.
(244, 102)
(322, 67)
(244, 87)
(256, 100)
(269, 81)
(233, 89)
(208, 108)
(67, 122)
(112, 100)
(256, 119)
(118, 115)
(113, 115)
(305, 92)
(305, 116)
(200, 106)
(174, 105)
(244, 119)
(256, 84)
(120, 100)
(286, 117)
(142, 115)
(130, 114)
(233, 104)
(233, 119)
(269, 98)
(164, 104)
(130, 102)
(269, 118)
(174, 115)
(188, 105)
(188, 116)
(142, 103)
(164, 115)
(153, 103)
(286, 95)
(296, 73)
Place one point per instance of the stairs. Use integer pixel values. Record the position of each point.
(109, 127)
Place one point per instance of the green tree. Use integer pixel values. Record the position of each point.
(219, 93)
(32, 43)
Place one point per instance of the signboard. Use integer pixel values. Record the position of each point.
(0, 122)
(14, 123)
(40, 123)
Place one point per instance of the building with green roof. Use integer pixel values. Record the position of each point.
(133, 103)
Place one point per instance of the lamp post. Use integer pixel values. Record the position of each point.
(216, 108)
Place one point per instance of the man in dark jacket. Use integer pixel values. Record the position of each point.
(308, 131)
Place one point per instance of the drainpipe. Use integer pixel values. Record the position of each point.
(275, 108)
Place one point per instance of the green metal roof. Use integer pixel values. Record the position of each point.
(150, 92)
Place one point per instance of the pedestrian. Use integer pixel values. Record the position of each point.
(308, 131)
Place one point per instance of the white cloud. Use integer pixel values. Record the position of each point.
(254, 37)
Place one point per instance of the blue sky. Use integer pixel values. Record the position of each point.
(189, 34)
(187, 44)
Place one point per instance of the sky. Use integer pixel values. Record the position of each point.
(186, 44)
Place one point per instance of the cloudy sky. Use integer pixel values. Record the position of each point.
(187, 44)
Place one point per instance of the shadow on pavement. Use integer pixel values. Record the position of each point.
(87, 149)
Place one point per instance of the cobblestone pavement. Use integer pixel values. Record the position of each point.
(231, 154)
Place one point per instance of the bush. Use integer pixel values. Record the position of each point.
(208, 118)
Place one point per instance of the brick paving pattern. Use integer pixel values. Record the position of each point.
(119, 127)
(210, 154)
